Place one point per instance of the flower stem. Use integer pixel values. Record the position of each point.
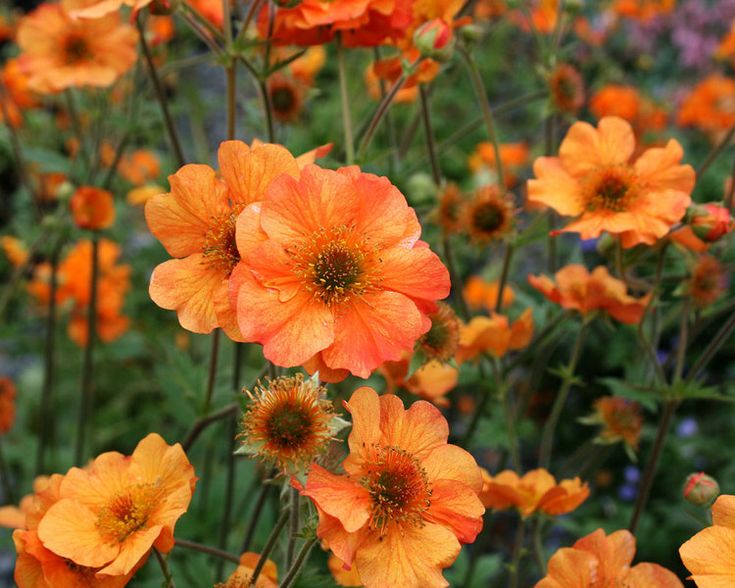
(345, 97)
(193, 546)
(257, 512)
(517, 554)
(715, 152)
(294, 528)
(269, 545)
(204, 421)
(538, 545)
(509, 248)
(429, 132)
(212, 376)
(8, 494)
(85, 407)
(229, 490)
(547, 440)
(295, 569)
(712, 348)
(160, 95)
(168, 580)
(231, 73)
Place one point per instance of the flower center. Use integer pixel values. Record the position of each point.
(76, 48)
(220, 247)
(288, 426)
(283, 99)
(127, 513)
(488, 217)
(611, 188)
(398, 487)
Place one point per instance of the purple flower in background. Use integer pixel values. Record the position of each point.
(632, 474)
(687, 427)
(627, 492)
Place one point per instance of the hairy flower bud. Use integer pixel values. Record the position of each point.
(435, 39)
(701, 489)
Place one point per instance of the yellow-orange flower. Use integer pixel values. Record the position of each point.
(709, 554)
(577, 289)
(595, 181)
(59, 52)
(98, 8)
(535, 491)
(480, 293)
(140, 167)
(112, 513)
(7, 404)
(710, 106)
(332, 273)
(306, 67)
(240, 578)
(494, 335)
(196, 221)
(92, 208)
(407, 499)
(604, 560)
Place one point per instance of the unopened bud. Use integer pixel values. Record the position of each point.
(701, 489)
(710, 222)
(435, 39)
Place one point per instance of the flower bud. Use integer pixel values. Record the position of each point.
(435, 39)
(471, 32)
(710, 222)
(701, 489)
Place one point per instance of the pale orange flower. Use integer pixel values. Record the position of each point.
(140, 167)
(7, 404)
(604, 560)
(196, 221)
(480, 293)
(595, 181)
(92, 208)
(710, 106)
(535, 491)
(407, 500)
(494, 335)
(513, 157)
(139, 196)
(306, 67)
(240, 578)
(332, 273)
(432, 381)
(58, 52)
(577, 289)
(112, 513)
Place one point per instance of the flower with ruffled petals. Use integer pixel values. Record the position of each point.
(59, 52)
(332, 273)
(604, 560)
(535, 491)
(494, 335)
(240, 578)
(196, 222)
(574, 287)
(595, 181)
(110, 514)
(407, 500)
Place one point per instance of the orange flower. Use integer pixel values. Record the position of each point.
(536, 491)
(604, 560)
(643, 10)
(139, 196)
(585, 292)
(140, 167)
(58, 52)
(306, 67)
(708, 281)
(7, 404)
(240, 578)
(390, 69)
(621, 420)
(482, 294)
(513, 156)
(710, 106)
(432, 381)
(15, 250)
(286, 97)
(111, 514)
(726, 48)
(494, 335)
(594, 181)
(407, 499)
(342, 576)
(489, 215)
(15, 95)
(288, 422)
(195, 222)
(332, 273)
(92, 208)
(212, 10)
(99, 8)
(567, 89)
(627, 103)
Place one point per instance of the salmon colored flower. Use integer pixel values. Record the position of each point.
(489, 215)
(19, 517)
(577, 289)
(15, 250)
(342, 576)
(513, 157)
(332, 273)
(604, 560)
(494, 335)
(480, 293)
(407, 499)
(58, 52)
(710, 106)
(594, 180)
(112, 513)
(620, 419)
(708, 281)
(288, 422)
(240, 578)
(535, 491)
(92, 208)
(567, 89)
(431, 381)
(643, 10)
(7, 404)
(449, 210)
(196, 221)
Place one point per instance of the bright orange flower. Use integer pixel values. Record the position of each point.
(92, 208)
(494, 335)
(407, 500)
(708, 281)
(594, 180)
(112, 513)
(536, 491)
(544, 14)
(15, 250)
(196, 221)
(240, 578)
(643, 10)
(726, 48)
(627, 103)
(709, 555)
(212, 10)
(111, 324)
(140, 167)
(482, 294)
(359, 22)
(7, 404)
(59, 52)
(620, 418)
(604, 560)
(710, 106)
(332, 273)
(578, 289)
(432, 381)
(513, 156)
(15, 95)
(342, 576)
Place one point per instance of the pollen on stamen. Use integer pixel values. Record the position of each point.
(127, 513)
(220, 247)
(610, 188)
